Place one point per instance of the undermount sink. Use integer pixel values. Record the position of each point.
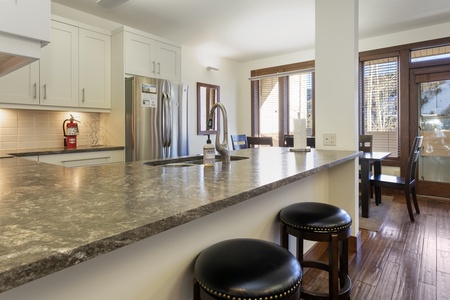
(188, 161)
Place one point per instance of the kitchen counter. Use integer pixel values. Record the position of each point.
(57, 150)
(54, 217)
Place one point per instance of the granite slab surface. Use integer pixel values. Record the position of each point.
(53, 217)
(58, 150)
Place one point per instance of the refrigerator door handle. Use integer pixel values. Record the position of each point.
(169, 120)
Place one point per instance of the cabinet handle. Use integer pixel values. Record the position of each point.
(82, 95)
(45, 91)
(85, 159)
(35, 90)
(159, 68)
(153, 66)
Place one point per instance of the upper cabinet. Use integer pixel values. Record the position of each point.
(74, 72)
(59, 68)
(149, 57)
(94, 69)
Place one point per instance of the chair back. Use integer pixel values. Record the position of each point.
(239, 141)
(412, 160)
(259, 140)
(288, 140)
(365, 143)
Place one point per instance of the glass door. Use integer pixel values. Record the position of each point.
(432, 91)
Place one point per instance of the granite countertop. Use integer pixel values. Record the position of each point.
(57, 150)
(54, 217)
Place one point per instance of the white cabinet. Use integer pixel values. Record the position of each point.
(21, 86)
(95, 69)
(74, 72)
(59, 68)
(79, 159)
(148, 57)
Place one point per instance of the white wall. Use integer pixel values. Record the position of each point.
(193, 70)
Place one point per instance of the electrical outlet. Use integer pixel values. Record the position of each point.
(329, 139)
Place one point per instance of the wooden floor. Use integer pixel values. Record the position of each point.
(403, 260)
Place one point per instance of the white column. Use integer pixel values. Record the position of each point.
(336, 98)
(336, 85)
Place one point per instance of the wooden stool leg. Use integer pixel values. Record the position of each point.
(333, 259)
(284, 238)
(300, 248)
(343, 263)
(196, 290)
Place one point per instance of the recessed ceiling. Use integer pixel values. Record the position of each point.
(253, 29)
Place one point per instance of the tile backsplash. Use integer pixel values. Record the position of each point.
(32, 129)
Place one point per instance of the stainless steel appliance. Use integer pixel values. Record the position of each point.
(156, 116)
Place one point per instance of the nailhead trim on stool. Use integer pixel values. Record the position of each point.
(247, 269)
(324, 223)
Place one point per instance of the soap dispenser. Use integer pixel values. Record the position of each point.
(209, 153)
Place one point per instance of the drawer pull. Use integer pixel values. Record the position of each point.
(85, 159)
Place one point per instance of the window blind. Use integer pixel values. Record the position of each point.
(380, 111)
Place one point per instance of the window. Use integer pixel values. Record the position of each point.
(380, 103)
(279, 98)
(432, 53)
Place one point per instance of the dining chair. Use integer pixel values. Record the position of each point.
(259, 140)
(288, 140)
(239, 141)
(407, 183)
(365, 143)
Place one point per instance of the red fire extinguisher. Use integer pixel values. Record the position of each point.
(70, 138)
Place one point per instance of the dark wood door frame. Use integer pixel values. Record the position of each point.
(429, 188)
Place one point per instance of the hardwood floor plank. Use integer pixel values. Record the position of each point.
(428, 267)
(443, 286)
(408, 276)
(362, 290)
(386, 285)
(425, 292)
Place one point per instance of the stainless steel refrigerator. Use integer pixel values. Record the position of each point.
(156, 117)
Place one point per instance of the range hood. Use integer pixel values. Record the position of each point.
(24, 29)
(16, 52)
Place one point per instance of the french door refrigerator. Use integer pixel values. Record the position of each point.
(156, 117)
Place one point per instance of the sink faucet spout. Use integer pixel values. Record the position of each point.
(221, 147)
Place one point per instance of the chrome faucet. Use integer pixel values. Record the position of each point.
(222, 148)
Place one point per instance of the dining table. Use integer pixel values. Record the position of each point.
(366, 161)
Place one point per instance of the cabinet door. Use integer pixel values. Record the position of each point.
(139, 55)
(168, 61)
(95, 69)
(21, 86)
(59, 67)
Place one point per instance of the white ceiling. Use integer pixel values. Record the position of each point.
(244, 30)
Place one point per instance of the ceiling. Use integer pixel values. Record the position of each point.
(244, 30)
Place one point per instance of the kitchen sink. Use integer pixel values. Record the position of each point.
(187, 161)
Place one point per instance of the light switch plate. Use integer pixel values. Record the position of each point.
(329, 139)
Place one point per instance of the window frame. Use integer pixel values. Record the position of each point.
(283, 83)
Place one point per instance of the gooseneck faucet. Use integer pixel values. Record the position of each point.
(222, 148)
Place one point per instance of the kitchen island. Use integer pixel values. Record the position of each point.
(132, 231)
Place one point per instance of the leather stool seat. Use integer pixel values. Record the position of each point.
(324, 223)
(246, 269)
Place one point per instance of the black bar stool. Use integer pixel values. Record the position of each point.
(322, 223)
(246, 269)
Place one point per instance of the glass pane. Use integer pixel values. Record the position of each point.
(300, 100)
(380, 106)
(430, 53)
(268, 108)
(434, 125)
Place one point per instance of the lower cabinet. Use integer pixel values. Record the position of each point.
(80, 159)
